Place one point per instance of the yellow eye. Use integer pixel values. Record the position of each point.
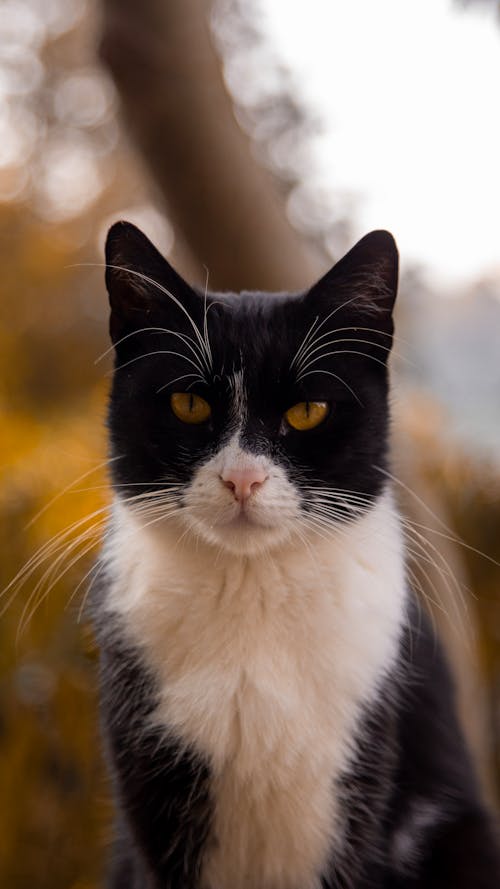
(190, 408)
(306, 414)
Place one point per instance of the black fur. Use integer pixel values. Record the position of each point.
(411, 785)
(162, 790)
(411, 753)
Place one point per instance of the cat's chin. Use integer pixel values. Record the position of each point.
(242, 535)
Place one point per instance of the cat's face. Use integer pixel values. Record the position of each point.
(255, 419)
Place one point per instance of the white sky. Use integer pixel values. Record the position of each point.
(409, 92)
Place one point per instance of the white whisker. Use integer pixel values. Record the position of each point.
(187, 340)
(334, 331)
(340, 352)
(196, 377)
(303, 343)
(67, 488)
(158, 352)
(448, 533)
(330, 373)
(334, 312)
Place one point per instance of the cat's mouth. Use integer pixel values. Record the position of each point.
(244, 517)
(243, 529)
(240, 531)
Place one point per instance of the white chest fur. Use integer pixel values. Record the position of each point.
(264, 665)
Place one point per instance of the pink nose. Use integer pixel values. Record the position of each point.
(243, 482)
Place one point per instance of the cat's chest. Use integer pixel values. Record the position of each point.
(241, 657)
(264, 668)
(243, 683)
(255, 648)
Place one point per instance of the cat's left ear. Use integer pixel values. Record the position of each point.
(361, 288)
(141, 283)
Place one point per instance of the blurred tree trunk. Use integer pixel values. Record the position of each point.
(233, 220)
(225, 205)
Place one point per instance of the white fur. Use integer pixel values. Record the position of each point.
(409, 840)
(264, 657)
(240, 406)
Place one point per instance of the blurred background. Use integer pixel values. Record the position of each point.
(254, 142)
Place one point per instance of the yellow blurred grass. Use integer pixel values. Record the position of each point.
(54, 811)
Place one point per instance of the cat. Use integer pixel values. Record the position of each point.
(276, 711)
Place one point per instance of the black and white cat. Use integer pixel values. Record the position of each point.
(277, 713)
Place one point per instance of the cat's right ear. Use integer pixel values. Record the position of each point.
(363, 284)
(140, 282)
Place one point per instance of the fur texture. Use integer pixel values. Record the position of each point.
(276, 711)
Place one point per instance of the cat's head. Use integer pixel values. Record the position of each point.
(249, 420)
